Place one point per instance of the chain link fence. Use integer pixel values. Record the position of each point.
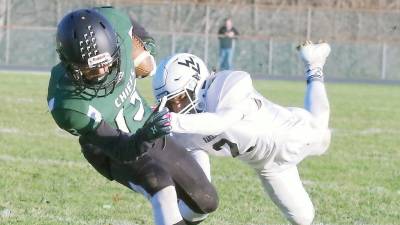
(365, 43)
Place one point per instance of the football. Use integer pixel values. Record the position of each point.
(143, 61)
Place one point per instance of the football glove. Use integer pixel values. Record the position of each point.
(125, 147)
(157, 125)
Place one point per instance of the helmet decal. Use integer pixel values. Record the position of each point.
(102, 59)
(191, 64)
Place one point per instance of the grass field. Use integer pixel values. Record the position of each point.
(44, 179)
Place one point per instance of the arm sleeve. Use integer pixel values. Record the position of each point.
(74, 122)
(204, 123)
(229, 101)
(116, 144)
(120, 146)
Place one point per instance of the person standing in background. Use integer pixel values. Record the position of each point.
(226, 35)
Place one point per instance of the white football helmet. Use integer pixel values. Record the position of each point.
(182, 76)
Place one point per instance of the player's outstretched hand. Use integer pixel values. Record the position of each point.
(157, 125)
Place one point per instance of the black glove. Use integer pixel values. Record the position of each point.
(156, 126)
(124, 147)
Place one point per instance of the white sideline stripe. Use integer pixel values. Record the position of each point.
(378, 131)
(11, 130)
(20, 100)
(46, 162)
(57, 131)
(336, 186)
(63, 219)
(70, 220)
(368, 131)
(86, 222)
(24, 72)
(76, 221)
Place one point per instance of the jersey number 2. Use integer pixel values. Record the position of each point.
(233, 147)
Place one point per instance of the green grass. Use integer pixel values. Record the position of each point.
(45, 180)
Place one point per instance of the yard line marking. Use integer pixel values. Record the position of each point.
(57, 131)
(63, 219)
(50, 162)
(374, 130)
(367, 131)
(7, 130)
(78, 221)
(21, 99)
(22, 72)
(336, 186)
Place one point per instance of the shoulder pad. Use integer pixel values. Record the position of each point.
(228, 87)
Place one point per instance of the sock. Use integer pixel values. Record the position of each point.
(189, 215)
(165, 207)
(316, 102)
(314, 74)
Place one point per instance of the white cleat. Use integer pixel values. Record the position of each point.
(314, 57)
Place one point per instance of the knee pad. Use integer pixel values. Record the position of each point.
(202, 201)
(152, 177)
(208, 200)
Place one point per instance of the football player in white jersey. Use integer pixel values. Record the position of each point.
(222, 114)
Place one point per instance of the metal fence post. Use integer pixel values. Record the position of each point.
(309, 11)
(8, 16)
(383, 65)
(172, 27)
(270, 48)
(206, 33)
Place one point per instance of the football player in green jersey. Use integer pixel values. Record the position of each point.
(92, 94)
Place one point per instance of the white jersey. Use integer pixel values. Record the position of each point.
(240, 122)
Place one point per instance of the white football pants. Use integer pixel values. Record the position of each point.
(284, 186)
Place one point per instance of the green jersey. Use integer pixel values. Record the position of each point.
(124, 108)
